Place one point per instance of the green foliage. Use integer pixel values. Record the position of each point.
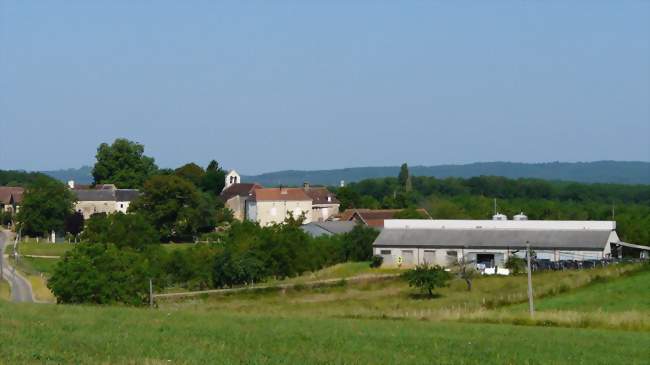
(45, 206)
(123, 163)
(410, 213)
(376, 261)
(404, 178)
(20, 178)
(214, 179)
(191, 268)
(357, 244)
(192, 173)
(427, 278)
(74, 223)
(252, 253)
(175, 207)
(516, 265)
(122, 230)
(455, 198)
(100, 274)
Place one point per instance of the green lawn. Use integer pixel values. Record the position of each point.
(625, 294)
(90, 335)
(42, 248)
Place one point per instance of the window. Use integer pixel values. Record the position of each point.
(121, 205)
(385, 252)
(452, 253)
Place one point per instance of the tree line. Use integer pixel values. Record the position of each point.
(120, 253)
(473, 198)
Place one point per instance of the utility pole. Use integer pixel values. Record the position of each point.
(530, 283)
(150, 293)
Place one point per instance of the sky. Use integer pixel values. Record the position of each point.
(271, 85)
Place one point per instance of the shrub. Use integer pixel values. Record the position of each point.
(376, 261)
(427, 278)
(516, 265)
(101, 274)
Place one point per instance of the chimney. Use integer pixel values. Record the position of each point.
(283, 190)
(71, 184)
(342, 183)
(305, 185)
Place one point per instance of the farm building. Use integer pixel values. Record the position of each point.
(491, 242)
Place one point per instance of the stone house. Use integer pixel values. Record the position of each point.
(272, 205)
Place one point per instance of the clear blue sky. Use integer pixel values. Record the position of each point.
(269, 85)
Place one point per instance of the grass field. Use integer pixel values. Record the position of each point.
(375, 321)
(101, 335)
(632, 293)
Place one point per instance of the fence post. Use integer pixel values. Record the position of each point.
(150, 293)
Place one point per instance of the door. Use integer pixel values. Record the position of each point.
(429, 257)
(408, 257)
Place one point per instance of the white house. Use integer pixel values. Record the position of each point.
(490, 242)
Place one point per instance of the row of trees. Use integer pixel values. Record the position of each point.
(124, 255)
(407, 190)
(181, 204)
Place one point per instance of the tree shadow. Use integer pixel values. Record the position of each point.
(424, 296)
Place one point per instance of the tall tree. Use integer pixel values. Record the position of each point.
(123, 163)
(214, 179)
(45, 206)
(404, 178)
(174, 206)
(192, 173)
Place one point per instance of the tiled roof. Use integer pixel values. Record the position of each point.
(280, 194)
(319, 195)
(6, 192)
(239, 189)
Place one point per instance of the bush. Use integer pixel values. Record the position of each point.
(376, 261)
(124, 230)
(357, 244)
(516, 265)
(101, 274)
(427, 277)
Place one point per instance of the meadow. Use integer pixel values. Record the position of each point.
(597, 316)
(51, 334)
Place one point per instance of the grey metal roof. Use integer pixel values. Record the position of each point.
(126, 195)
(494, 238)
(329, 228)
(94, 195)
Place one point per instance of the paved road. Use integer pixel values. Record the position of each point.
(21, 289)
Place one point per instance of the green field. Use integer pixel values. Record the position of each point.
(628, 294)
(76, 334)
(599, 316)
(41, 248)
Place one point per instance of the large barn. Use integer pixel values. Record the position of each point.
(491, 242)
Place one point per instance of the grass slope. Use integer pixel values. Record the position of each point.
(90, 335)
(628, 293)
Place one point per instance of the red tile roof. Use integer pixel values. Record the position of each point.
(320, 194)
(239, 189)
(280, 194)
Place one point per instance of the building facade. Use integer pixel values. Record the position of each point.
(103, 199)
(269, 206)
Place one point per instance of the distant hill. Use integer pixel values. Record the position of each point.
(623, 172)
(82, 175)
